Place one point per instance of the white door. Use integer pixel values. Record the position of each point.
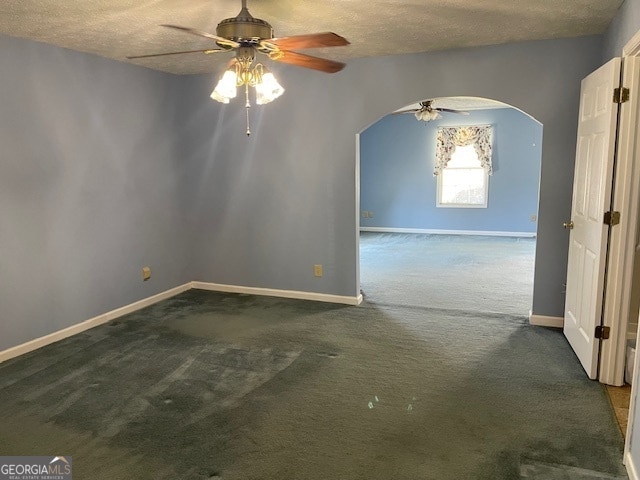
(588, 237)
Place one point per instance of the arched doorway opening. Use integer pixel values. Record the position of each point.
(415, 250)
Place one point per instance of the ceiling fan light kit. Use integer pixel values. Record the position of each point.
(248, 35)
(240, 73)
(427, 115)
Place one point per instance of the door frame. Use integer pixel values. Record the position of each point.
(626, 196)
(623, 244)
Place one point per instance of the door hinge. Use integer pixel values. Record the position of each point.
(620, 95)
(611, 218)
(602, 332)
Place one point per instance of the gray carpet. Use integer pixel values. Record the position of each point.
(470, 273)
(238, 387)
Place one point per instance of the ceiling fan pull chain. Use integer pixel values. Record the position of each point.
(247, 105)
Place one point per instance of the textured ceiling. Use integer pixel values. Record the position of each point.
(117, 28)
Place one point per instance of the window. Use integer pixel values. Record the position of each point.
(463, 175)
(463, 182)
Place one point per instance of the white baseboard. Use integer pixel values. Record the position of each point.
(545, 321)
(448, 232)
(632, 471)
(87, 324)
(145, 302)
(270, 292)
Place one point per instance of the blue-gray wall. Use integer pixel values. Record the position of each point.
(397, 160)
(91, 187)
(106, 167)
(271, 206)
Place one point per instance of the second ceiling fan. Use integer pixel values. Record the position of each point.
(427, 111)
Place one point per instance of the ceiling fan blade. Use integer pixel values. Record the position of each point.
(200, 33)
(206, 52)
(307, 61)
(413, 110)
(312, 40)
(451, 111)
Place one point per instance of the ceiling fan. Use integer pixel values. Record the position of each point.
(428, 112)
(247, 35)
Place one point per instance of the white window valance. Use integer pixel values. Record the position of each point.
(451, 137)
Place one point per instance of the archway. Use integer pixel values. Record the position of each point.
(417, 252)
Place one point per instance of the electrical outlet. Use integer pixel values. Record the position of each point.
(365, 214)
(146, 273)
(317, 270)
(370, 214)
(534, 217)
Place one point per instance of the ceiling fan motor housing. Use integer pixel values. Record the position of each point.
(244, 28)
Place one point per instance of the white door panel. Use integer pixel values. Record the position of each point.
(595, 149)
